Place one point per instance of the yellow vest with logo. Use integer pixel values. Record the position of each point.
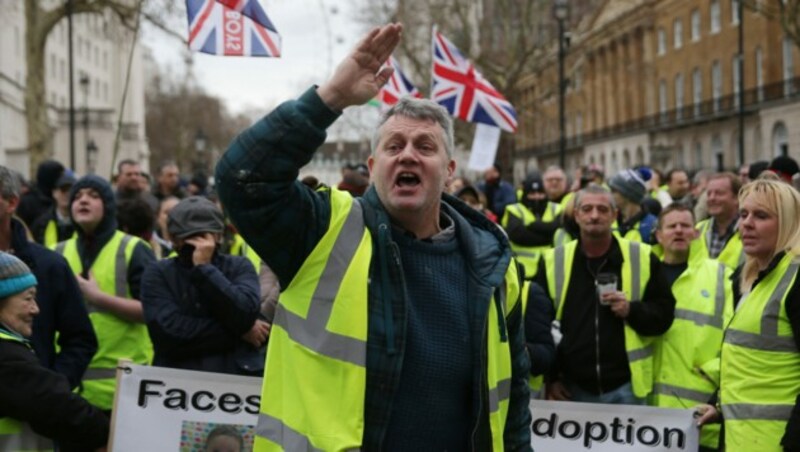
(732, 254)
(760, 374)
(635, 275)
(16, 436)
(315, 377)
(116, 338)
(528, 256)
(686, 358)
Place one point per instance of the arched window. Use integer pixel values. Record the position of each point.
(639, 156)
(626, 159)
(780, 140)
(614, 163)
(717, 151)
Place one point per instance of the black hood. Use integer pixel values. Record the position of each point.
(101, 186)
(46, 176)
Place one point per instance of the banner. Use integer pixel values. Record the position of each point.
(160, 409)
(560, 426)
(484, 147)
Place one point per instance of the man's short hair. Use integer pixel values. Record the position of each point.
(424, 109)
(594, 189)
(674, 207)
(165, 164)
(125, 163)
(670, 173)
(736, 182)
(9, 183)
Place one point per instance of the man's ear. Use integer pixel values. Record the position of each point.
(13, 203)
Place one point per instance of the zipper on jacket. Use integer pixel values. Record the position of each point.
(481, 386)
(597, 346)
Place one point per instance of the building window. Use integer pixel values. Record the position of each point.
(698, 155)
(697, 90)
(679, 96)
(696, 25)
(677, 30)
(735, 12)
(662, 99)
(105, 60)
(105, 91)
(715, 17)
(578, 126)
(717, 152)
(759, 74)
(716, 83)
(662, 41)
(780, 140)
(53, 65)
(788, 66)
(735, 70)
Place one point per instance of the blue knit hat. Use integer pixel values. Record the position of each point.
(15, 276)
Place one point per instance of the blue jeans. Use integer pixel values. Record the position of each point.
(623, 395)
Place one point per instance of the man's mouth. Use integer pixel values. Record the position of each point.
(406, 179)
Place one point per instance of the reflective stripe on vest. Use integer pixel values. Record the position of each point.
(700, 319)
(760, 363)
(305, 332)
(321, 329)
(117, 338)
(682, 393)
(634, 277)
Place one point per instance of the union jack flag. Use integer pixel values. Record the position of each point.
(398, 86)
(463, 91)
(231, 28)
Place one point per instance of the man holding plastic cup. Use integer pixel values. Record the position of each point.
(607, 324)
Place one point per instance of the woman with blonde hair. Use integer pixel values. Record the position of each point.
(760, 361)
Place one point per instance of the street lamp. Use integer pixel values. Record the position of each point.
(84, 82)
(561, 14)
(200, 142)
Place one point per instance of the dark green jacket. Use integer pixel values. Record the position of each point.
(283, 220)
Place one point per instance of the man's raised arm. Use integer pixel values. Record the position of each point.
(257, 176)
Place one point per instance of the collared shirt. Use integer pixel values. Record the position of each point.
(718, 242)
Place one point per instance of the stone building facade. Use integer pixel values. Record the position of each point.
(656, 82)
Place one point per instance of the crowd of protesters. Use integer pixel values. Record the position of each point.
(406, 308)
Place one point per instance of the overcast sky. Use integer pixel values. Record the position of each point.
(316, 34)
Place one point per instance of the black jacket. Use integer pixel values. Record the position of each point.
(42, 398)
(61, 310)
(591, 332)
(195, 316)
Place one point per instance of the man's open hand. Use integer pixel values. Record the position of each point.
(360, 76)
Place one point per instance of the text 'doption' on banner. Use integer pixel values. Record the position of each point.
(161, 409)
(561, 426)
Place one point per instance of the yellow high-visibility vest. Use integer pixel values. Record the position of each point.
(320, 330)
(116, 338)
(686, 357)
(635, 275)
(732, 254)
(528, 256)
(760, 372)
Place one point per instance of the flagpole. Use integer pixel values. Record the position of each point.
(433, 46)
